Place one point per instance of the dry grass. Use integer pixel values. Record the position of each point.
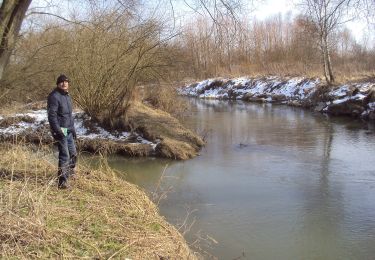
(165, 97)
(176, 141)
(115, 147)
(100, 217)
(9, 109)
(360, 77)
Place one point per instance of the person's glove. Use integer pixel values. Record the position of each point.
(59, 135)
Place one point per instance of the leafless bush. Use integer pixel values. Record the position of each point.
(106, 57)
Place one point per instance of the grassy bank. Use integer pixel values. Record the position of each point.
(176, 141)
(100, 217)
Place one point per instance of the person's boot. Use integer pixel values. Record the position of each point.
(72, 166)
(62, 182)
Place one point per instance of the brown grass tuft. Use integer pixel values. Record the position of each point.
(176, 141)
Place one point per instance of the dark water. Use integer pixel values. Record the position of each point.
(273, 182)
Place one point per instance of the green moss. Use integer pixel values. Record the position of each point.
(155, 227)
(96, 230)
(113, 246)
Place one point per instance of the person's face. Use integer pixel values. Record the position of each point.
(64, 85)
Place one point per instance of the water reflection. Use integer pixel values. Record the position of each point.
(273, 182)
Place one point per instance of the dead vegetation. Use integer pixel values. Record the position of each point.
(100, 217)
(176, 141)
(165, 97)
(102, 146)
(8, 121)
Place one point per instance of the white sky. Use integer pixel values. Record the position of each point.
(264, 9)
(273, 7)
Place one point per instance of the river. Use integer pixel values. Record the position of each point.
(273, 182)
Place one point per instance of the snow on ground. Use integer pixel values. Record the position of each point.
(203, 84)
(39, 117)
(95, 132)
(359, 96)
(340, 92)
(213, 93)
(291, 88)
(294, 88)
(242, 81)
(345, 90)
(257, 88)
(344, 93)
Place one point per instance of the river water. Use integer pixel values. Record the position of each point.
(273, 182)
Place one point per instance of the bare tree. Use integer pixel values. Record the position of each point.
(327, 16)
(12, 13)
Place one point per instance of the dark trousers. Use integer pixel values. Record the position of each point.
(67, 157)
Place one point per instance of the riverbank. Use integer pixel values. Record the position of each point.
(152, 132)
(355, 99)
(100, 217)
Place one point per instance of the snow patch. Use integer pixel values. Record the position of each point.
(241, 81)
(211, 93)
(340, 92)
(297, 88)
(202, 85)
(371, 105)
(359, 96)
(95, 132)
(339, 101)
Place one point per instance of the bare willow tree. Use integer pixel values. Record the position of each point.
(109, 56)
(327, 16)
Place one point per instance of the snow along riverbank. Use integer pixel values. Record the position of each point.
(352, 99)
(36, 121)
(33, 127)
(154, 133)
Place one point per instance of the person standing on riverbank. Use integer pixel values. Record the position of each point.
(60, 118)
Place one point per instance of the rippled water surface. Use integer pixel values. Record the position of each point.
(273, 182)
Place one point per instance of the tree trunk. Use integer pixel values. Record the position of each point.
(329, 67)
(322, 50)
(12, 13)
(326, 60)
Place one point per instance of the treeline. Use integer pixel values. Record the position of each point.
(276, 45)
(116, 48)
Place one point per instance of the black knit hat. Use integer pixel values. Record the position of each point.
(61, 78)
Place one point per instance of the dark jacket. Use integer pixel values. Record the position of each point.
(59, 107)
